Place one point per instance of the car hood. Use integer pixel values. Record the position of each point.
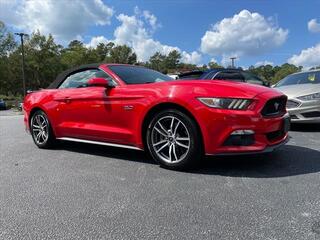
(222, 88)
(297, 90)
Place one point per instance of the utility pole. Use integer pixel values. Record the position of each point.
(22, 50)
(232, 61)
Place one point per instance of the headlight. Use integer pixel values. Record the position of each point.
(310, 97)
(226, 103)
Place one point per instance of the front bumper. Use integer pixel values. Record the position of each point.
(268, 134)
(217, 125)
(305, 112)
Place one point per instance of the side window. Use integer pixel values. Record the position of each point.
(101, 74)
(250, 78)
(80, 79)
(228, 75)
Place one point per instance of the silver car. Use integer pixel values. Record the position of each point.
(303, 91)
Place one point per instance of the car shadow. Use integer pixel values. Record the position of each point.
(305, 127)
(287, 161)
(106, 151)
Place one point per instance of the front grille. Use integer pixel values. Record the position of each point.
(293, 117)
(311, 114)
(275, 107)
(292, 104)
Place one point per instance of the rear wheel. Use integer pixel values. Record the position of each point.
(173, 139)
(41, 130)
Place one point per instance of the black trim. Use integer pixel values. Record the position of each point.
(311, 114)
(62, 76)
(268, 149)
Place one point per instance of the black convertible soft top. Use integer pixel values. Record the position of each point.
(56, 83)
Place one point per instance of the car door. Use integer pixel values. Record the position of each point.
(89, 112)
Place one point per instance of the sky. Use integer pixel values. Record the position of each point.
(256, 32)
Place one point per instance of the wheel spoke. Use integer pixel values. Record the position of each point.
(43, 124)
(170, 152)
(38, 136)
(181, 144)
(182, 139)
(166, 132)
(171, 125)
(175, 129)
(162, 147)
(36, 126)
(38, 120)
(174, 152)
(159, 131)
(44, 135)
(158, 143)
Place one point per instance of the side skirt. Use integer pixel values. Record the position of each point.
(100, 143)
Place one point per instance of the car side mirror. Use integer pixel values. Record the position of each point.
(99, 82)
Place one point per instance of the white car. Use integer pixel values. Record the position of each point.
(303, 91)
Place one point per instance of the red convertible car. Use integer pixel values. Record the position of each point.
(177, 121)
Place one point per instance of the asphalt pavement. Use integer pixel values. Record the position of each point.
(81, 191)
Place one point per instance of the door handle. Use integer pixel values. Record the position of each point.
(63, 99)
(67, 100)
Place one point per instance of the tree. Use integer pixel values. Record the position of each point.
(172, 60)
(315, 68)
(121, 54)
(43, 60)
(165, 63)
(103, 50)
(7, 45)
(266, 72)
(74, 55)
(284, 71)
(276, 73)
(156, 62)
(213, 65)
(7, 42)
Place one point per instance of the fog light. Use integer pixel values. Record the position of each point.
(242, 132)
(242, 137)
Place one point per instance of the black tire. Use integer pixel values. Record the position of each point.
(176, 158)
(36, 128)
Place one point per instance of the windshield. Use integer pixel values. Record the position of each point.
(138, 75)
(300, 78)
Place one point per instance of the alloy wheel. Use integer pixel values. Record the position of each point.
(170, 139)
(40, 129)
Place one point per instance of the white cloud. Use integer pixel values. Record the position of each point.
(64, 19)
(152, 19)
(263, 63)
(193, 57)
(94, 42)
(134, 32)
(314, 26)
(307, 58)
(245, 34)
(214, 60)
